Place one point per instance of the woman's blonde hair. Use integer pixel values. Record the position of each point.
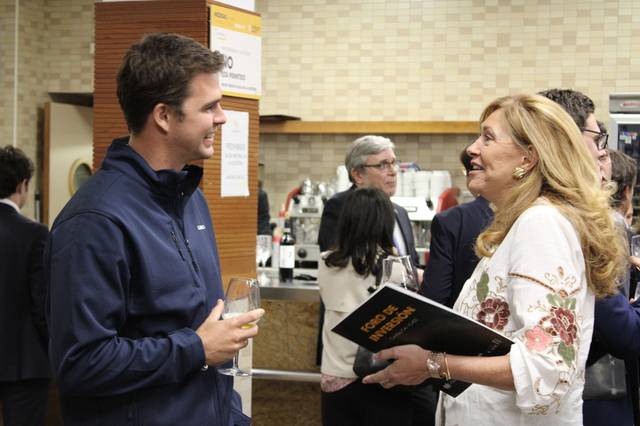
(566, 175)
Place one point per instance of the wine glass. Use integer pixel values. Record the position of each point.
(399, 270)
(243, 295)
(263, 253)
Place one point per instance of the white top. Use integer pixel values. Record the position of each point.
(341, 290)
(533, 290)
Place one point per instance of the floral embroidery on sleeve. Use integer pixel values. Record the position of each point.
(558, 327)
(537, 339)
(556, 334)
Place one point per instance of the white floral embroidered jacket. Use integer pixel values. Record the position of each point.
(533, 290)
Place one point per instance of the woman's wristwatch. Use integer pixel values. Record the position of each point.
(437, 365)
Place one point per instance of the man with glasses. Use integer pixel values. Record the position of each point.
(611, 378)
(581, 108)
(604, 160)
(371, 162)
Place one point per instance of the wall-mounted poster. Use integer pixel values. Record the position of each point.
(234, 155)
(236, 34)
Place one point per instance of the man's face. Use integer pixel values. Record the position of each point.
(383, 178)
(590, 140)
(191, 135)
(604, 163)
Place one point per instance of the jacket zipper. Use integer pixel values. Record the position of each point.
(193, 259)
(175, 241)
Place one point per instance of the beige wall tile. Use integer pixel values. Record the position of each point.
(427, 60)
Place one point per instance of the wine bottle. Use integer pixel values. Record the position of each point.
(287, 254)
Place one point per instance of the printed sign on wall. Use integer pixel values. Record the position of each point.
(234, 155)
(236, 34)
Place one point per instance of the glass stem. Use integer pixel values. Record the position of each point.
(235, 361)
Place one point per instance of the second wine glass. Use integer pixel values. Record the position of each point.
(399, 270)
(243, 295)
(263, 253)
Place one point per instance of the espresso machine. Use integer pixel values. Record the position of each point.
(305, 212)
(420, 214)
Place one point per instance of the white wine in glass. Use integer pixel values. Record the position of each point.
(242, 296)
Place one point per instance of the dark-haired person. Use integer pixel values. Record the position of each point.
(135, 292)
(346, 277)
(24, 365)
(452, 256)
(371, 163)
(624, 172)
(611, 379)
(582, 109)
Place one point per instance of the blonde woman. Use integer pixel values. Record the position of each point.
(550, 251)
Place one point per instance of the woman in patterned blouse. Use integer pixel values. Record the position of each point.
(551, 249)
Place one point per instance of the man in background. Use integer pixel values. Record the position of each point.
(582, 109)
(370, 162)
(135, 293)
(611, 377)
(624, 173)
(24, 366)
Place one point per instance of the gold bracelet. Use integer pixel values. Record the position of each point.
(447, 374)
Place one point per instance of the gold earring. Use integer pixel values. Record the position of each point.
(518, 173)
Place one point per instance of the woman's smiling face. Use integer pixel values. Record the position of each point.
(494, 156)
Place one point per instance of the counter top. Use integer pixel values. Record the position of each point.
(298, 290)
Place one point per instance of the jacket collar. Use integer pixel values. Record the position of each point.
(7, 202)
(167, 183)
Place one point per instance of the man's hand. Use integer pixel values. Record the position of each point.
(409, 367)
(223, 338)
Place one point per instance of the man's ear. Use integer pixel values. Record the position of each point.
(356, 175)
(161, 116)
(22, 187)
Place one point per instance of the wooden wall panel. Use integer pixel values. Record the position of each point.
(119, 25)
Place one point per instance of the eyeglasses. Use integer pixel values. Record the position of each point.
(600, 139)
(384, 165)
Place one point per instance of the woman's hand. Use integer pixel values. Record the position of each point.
(635, 261)
(408, 368)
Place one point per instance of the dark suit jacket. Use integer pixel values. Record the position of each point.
(329, 225)
(23, 331)
(616, 331)
(451, 254)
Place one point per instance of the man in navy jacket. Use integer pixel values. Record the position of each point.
(24, 366)
(135, 289)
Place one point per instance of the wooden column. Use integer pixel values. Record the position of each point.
(119, 25)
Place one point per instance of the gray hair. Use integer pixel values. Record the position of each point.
(363, 147)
